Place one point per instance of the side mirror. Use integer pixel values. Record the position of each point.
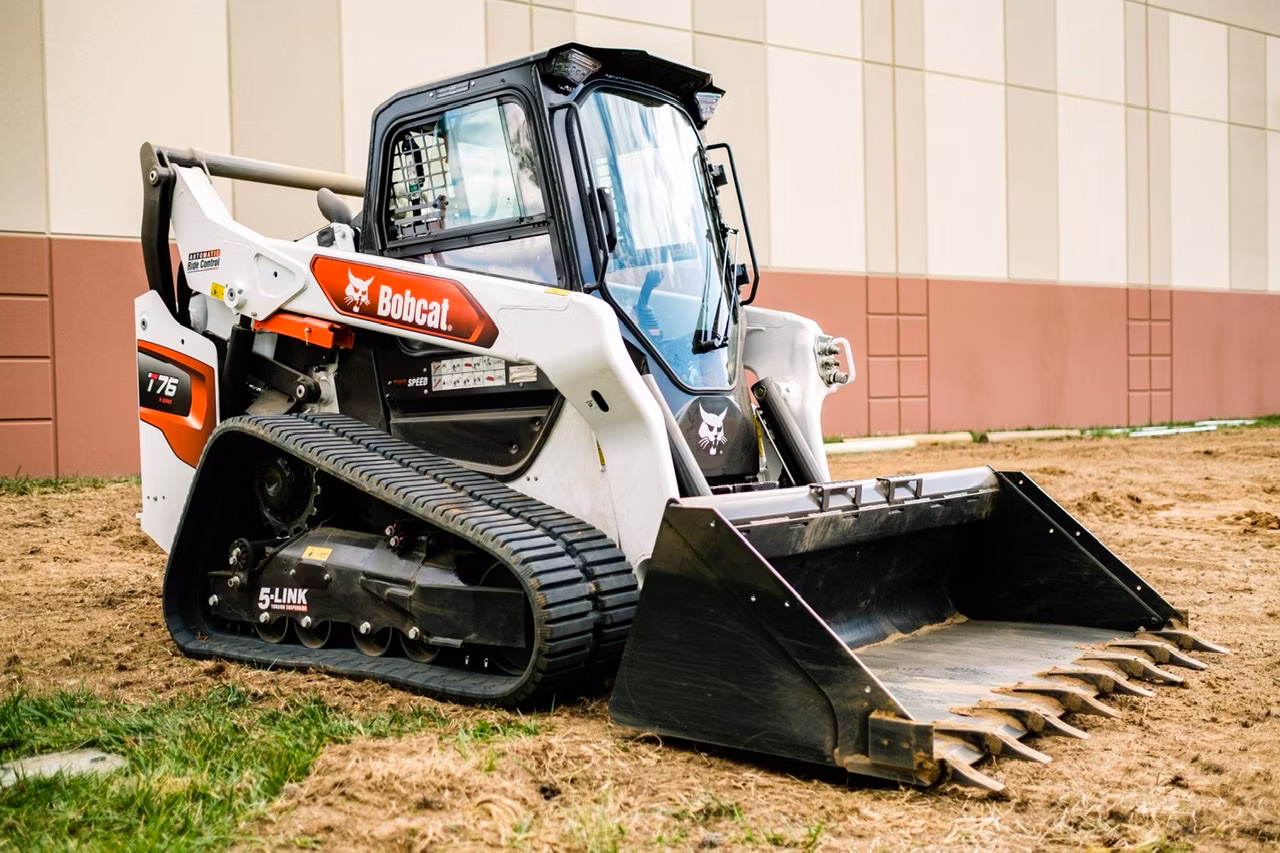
(719, 177)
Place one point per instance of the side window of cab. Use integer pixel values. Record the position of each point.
(465, 193)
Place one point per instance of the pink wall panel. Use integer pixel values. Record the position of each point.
(24, 264)
(1226, 354)
(95, 362)
(26, 448)
(838, 304)
(25, 324)
(1008, 354)
(26, 389)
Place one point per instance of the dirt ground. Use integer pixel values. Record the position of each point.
(1195, 514)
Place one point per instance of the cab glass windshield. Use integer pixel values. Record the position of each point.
(668, 271)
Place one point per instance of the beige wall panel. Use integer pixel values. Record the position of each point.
(1033, 184)
(1199, 208)
(877, 30)
(508, 30)
(1247, 77)
(558, 4)
(908, 33)
(286, 104)
(1273, 208)
(1248, 208)
(816, 190)
(665, 13)
(109, 89)
(551, 27)
(1092, 222)
(882, 215)
(1273, 83)
(741, 119)
(909, 133)
(1091, 48)
(373, 72)
(1135, 53)
(1158, 58)
(965, 171)
(824, 26)
(965, 38)
(22, 166)
(1030, 44)
(740, 19)
(1197, 67)
(1261, 15)
(1159, 192)
(1137, 196)
(607, 32)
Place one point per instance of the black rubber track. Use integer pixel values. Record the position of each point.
(581, 588)
(614, 588)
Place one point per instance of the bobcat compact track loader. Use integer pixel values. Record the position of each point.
(492, 438)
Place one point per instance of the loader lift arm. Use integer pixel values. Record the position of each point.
(157, 203)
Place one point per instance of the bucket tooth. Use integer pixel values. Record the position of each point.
(1160, 651)
(1101, 679)
(1075, 700)
(965, 774)
(991, 741)
(1036, 722)
(1187, 640)
(1136, 664)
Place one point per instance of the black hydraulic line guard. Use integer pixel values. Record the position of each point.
(797, 458)
(900, 627)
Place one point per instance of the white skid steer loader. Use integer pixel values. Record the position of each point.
(491, 439)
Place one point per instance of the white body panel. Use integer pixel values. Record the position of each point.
(567, 474)
(166, 479)
(573, 338)
(782, 345)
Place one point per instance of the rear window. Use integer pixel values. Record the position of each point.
(473, 165)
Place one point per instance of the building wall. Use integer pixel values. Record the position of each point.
(1020, 212)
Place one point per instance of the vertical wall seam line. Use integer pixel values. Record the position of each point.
(48, 246)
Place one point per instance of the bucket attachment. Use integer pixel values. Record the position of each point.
(899, 627)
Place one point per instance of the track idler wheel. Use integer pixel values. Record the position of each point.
(285, 489)
(373, 643)
(313, 635)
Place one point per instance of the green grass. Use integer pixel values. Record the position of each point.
(198, 767)
(24, 484)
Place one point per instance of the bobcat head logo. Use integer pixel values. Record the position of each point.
(711, 432)
(357, 292)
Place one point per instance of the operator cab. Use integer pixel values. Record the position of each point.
(579, 168)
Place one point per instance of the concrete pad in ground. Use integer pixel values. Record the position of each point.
(870, 445)
(1032, 434)
(941, 437)
(50, 764)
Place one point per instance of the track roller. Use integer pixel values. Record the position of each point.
(273, 631)
(417, 648)
(313, 635)
(374, 643)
